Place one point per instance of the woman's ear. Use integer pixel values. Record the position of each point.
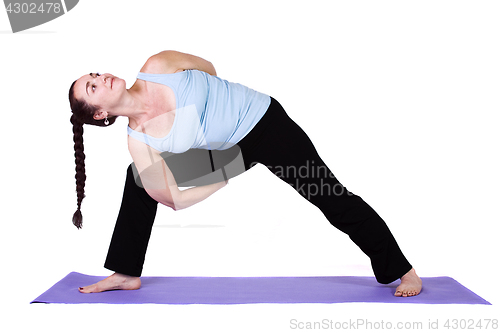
(99, 115)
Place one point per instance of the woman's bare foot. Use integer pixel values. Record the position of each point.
(411, 285)
(116, 281)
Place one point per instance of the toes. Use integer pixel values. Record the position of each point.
(406, 293)
(412, 293)
(88, 289)
(83, 290)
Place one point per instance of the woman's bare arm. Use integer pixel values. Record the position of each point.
(159, 182)
(174, 61)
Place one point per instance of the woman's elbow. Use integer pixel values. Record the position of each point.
(166, 199)
(170, 205)
(175, 202)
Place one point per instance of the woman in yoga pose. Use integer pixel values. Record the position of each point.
(179, 107)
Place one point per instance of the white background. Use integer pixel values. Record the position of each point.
(401, 99)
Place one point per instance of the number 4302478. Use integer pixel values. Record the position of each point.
(33, 8)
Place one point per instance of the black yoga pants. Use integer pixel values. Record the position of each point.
(283, 147)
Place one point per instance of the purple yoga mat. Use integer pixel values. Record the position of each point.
(243, 290)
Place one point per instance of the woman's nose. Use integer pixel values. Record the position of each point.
(106, 79)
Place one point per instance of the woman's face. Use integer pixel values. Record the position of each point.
(102, 90)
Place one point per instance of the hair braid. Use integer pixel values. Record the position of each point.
(80, 169)
(82, 114)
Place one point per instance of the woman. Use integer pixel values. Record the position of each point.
(179, 105)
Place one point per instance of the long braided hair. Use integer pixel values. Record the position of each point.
(82, 113)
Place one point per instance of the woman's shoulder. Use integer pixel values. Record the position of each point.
(164, 62)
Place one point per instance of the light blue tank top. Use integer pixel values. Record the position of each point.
(211, 113)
